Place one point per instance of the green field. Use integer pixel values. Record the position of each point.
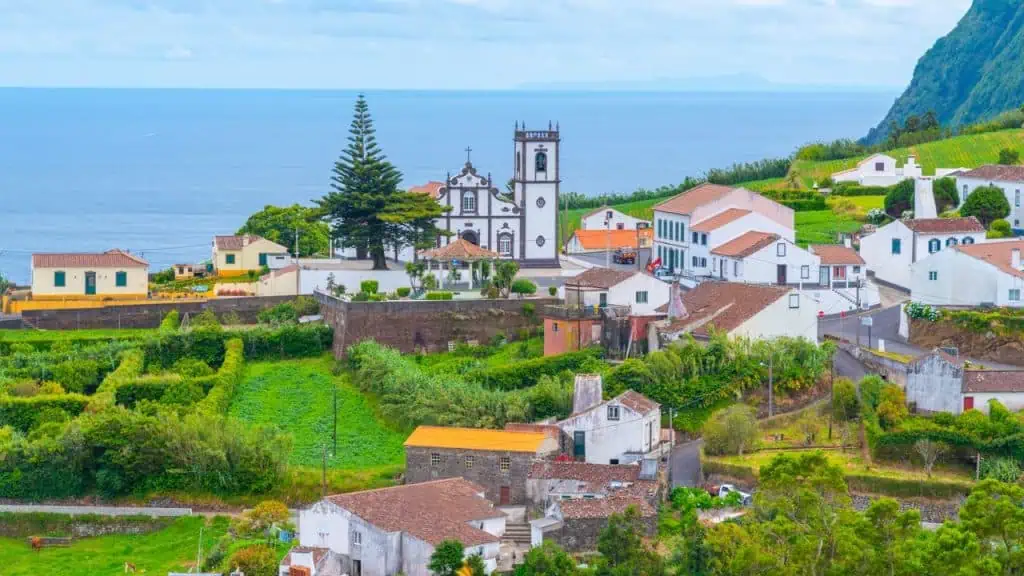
(963, 151)
(50, 335)
(173, 548)
(823, 227)
(296, 396)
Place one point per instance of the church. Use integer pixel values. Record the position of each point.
(521, 225)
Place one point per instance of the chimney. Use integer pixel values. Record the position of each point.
(848, 242)
(587, 392)
(1015, 258)
(245, 240)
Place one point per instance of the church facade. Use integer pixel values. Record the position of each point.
(521, 226)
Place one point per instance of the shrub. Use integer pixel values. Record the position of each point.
(369, 286)
(132, 363)
(845, 405)
(22, 413)
(892, 406)
(306, 306)
(552, 290)
(731, 431)
(403, 292)
(151, 387)
(192, 368)
(987, 204)
(228, 378)
(854, 189)
(999, 228)
(918, 311)
(529, 310)
(24, 389)
(439, 296)
(523, 287)
(1009, 157)
(1001, 469)
(528, 372)
(256, 560)
(79, 376)
(283, 313)
(900, 199)
(51, 389)
(946, 196)
(876, 216)
(264, 516)
(171, 321)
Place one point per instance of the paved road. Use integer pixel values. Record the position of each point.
(847, 366)
(886, 327)
(685, 462)
(599, 259)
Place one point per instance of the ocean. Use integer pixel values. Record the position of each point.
(159, 172)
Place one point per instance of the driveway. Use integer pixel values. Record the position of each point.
(685, 464)
(846, 366)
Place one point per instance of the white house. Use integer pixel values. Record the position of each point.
(114, 274)
(607, 218)
(740, 310)
(718, 214)
(938, 382)
(622, 430)
(1009, 178)
(394, 530)
(764, 258)
(841, 265)
(883, 170)
(892, 250)
(643, 293)
(972, 275)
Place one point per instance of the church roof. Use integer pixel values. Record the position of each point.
(460, 249)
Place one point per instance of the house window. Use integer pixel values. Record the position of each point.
(504, 463)
(794, 300)
(229, 258)
(934, 245)
(879, 166)
(780, 249)
(613, 461)
(696, 237)
(641, 297)
(613, 412)
(554, 326)
(469, 202)
(897, 246)
(469, 462)
(964, 197)
(933, 275)
(58, 279)
(952, 242)
(736, 268)
(120, 279)
(263, 259)
(1016, 199)
(839, 272)
(805, 272)
(608, 215)
(679, 232)
(1015, 295)
(620, 226)
(856, 269)
(505, 244)
(540, 162)
(968, 240)
(357, 538)
(435, 459)
(703, 239)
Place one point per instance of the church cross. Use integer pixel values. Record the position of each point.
(469, 151)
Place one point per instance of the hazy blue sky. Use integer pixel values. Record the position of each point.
(462, 43)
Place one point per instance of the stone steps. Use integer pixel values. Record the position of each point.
(518, 533)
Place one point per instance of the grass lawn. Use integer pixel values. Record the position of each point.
(171, 549)
(852, 462)
(823, 227)
(50, 335)
(296, 396)
(868, 202)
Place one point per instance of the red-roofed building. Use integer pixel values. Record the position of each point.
(893, 249)
(1009, 179)
(114, 274)
(939, 382)
(971, 275)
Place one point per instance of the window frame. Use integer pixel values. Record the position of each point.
(554, 326)
(805, 272)
(435, 459)
(614, 413)
(641, 297)
(471, 197)
(968, 240)
(60, 279)
(897, 246)
(229, 258)
(1010, 295)
(468, 462)
(933, 275)
(794, 301)
(357, 538)
(540, 161)
(121, 279)
(504, 463)
(503, 237)
(936, 244)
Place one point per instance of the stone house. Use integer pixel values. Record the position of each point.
(550, 482)
(497, 460)
(576, 524)
(394, 530)
(940, 382)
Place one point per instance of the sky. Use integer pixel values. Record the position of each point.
(463, 44)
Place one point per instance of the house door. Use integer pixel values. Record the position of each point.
(968, 403)
(90, 283)
(823, 276)
(604, 299)
(579, 446)
(504, 496)
(781, 275)
(357, 568)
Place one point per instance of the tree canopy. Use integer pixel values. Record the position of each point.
(987, 204)
(280, 223)
(900, 199)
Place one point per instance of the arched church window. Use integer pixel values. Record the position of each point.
(540, 162)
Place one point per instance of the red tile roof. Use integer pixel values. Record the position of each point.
(718, 220)
(108, 259)
(1006, 381)
(431, 511)
(615, 239)
(461, 249)
(318, 554)
(603, 507)
(745, 245)
(432, 188)
(637, 402)
(600, 278)
(944, 225)
(997, 172)
(837, 255)
(693, 198)
(997, 254)
(724, 305)
(234, 242)
(595, 475)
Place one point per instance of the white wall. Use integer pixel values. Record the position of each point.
(667, 239)
(388, 280)
(624, 294)
(741, 226)
(779, 319)
(1013, 402)
(596, 221)
(876, 250)
(748, 200)
(608, 440)
(1012, 190)
(924, 241)
(323, 525)
(541, 221)
(761, 267)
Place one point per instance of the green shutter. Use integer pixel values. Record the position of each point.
(263, 259)
(121, 279)
(229, 258)
(58, 279)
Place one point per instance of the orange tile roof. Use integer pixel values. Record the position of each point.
(460, 249)
(693, 198)
(745, 245)
(475, 439)
(603, 239)
(432, 188)
(837, 254)
(997, 254)
(718, 220)
(108, 259)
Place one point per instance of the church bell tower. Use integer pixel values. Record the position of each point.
(536, 183)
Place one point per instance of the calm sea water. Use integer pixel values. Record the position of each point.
(161, 171)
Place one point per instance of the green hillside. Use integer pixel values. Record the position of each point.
(973, 73)
(962, 151)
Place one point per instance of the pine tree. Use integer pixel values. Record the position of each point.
(367, 210)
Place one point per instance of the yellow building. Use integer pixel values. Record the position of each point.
(237, 255)
(83, 276)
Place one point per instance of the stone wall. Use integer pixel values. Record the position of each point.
(421, 325)
(1003, 349)
(932, 511)
(41, 524)
(146, 315)
(485, 470)
(580, 534)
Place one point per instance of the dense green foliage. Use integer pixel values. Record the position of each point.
(1009, 157)
(999, 228)
(973, 73)
(280, 224)
(731, 431)
(228, 378)
(987, 204)
(526, 373)
(900, 199)
(946, 196)
(439, 296)
(171, 321)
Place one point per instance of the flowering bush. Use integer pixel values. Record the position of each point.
(918, 311)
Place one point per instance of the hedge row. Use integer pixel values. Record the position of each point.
(24, 413)
(152, 387)
(132, 364)
(806, 205)
(857, 190)
(26, 524)
(525, 374)
(290, 341)
(738, 472)
(907, 488)
(229, 377)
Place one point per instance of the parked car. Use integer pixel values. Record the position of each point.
(724, 490)
(624, 256)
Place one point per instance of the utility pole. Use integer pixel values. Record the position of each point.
(323, 473)
(608, 243)
(672, 430)
(831, 395)
(296, 243)
(771, 382)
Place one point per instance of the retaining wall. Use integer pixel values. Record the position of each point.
(147, 315)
